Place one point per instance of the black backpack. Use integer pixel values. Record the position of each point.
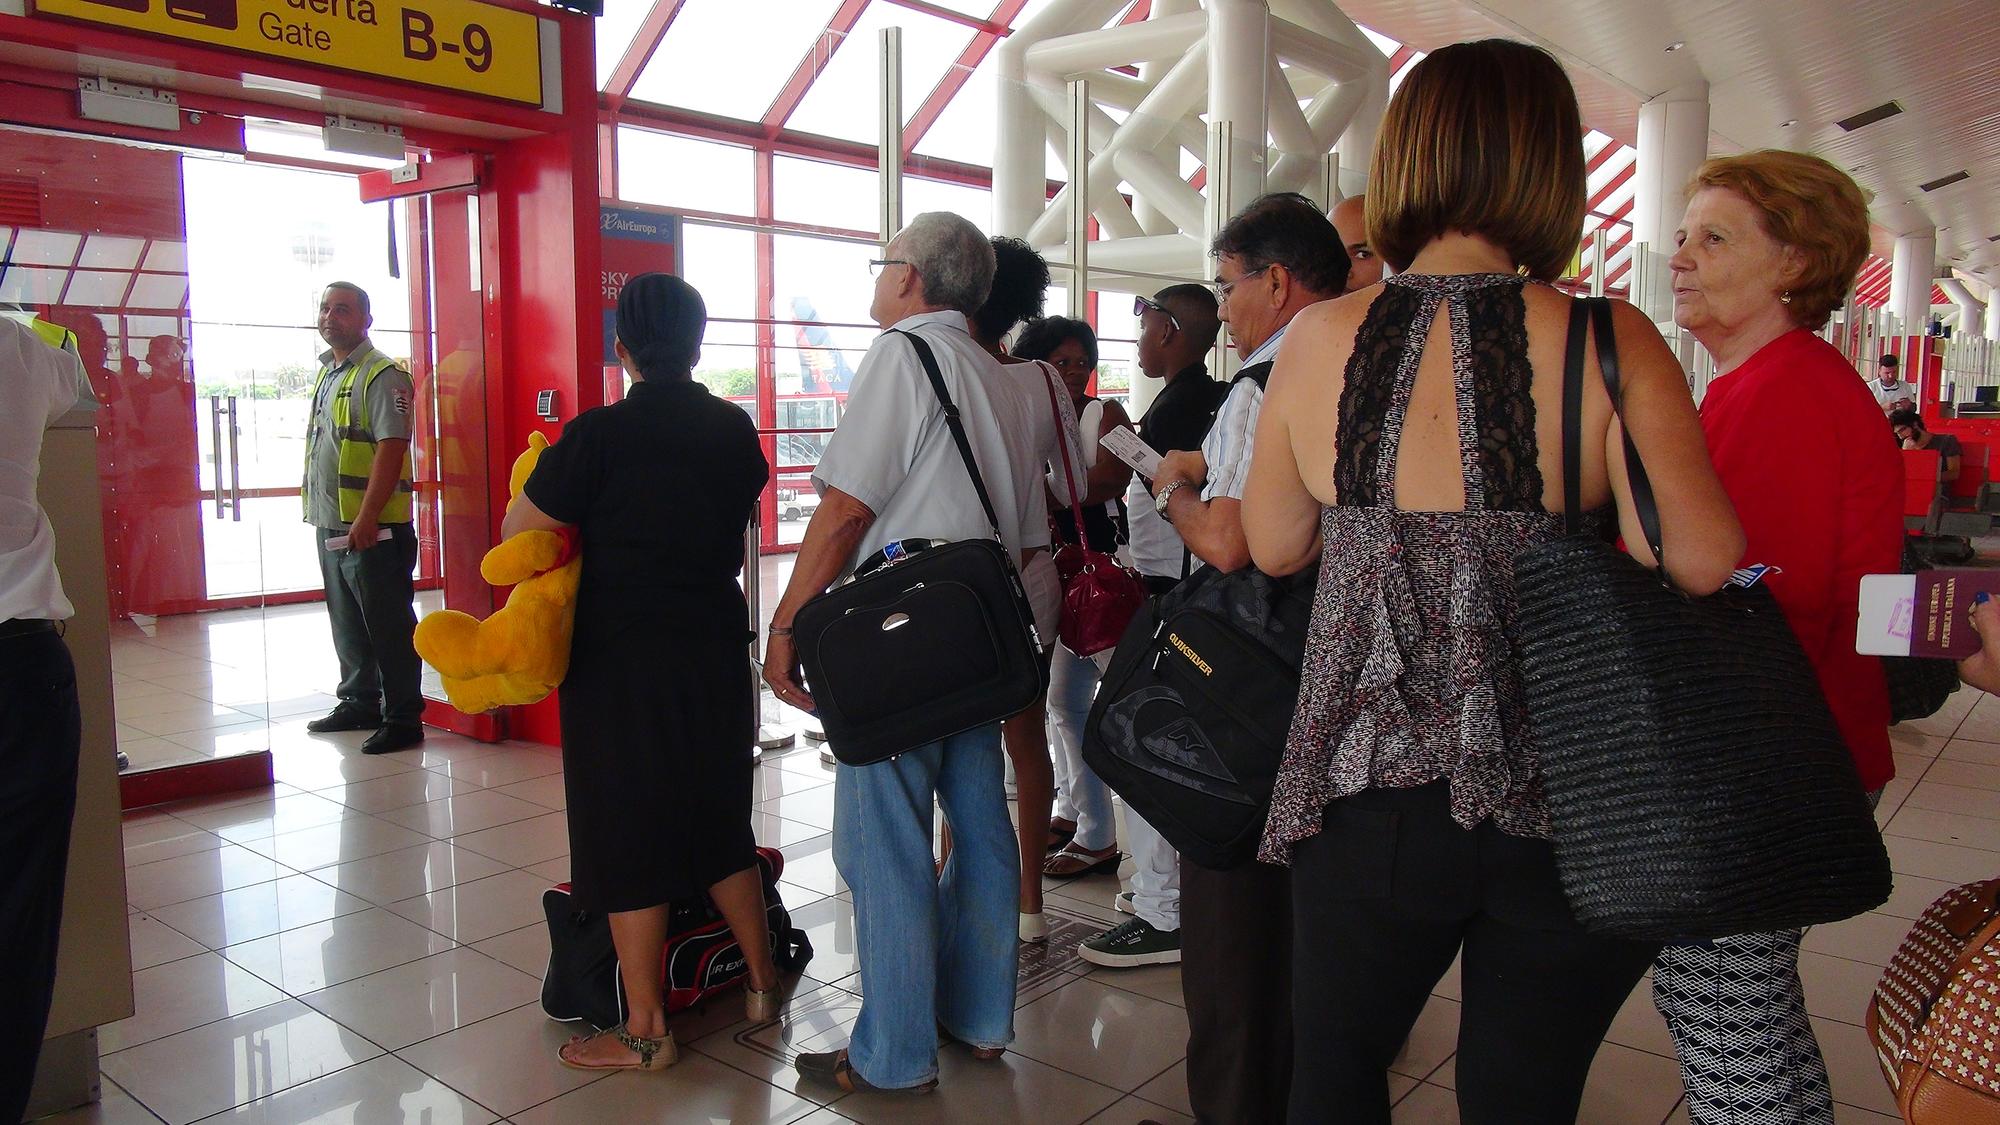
(1191, 718)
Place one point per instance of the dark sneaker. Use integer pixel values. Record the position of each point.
(389, 739)
(832, 1068)
(1133, 943)
(347, 716)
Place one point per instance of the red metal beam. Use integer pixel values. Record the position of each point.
(639, 52)
(1604, 154)
(997, 25)
(960, 73)
(1611, 185)
(794, 90)
(1401, 58)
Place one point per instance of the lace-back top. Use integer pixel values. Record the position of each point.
(1410, 674)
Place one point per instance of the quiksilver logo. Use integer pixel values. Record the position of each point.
(1194, 658)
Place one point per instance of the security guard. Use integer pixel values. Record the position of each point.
(358, 498)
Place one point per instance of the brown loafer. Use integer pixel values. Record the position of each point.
(984, 1054)
(832, 1068)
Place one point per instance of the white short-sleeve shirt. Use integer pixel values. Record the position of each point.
(893, 452)
(39, 384)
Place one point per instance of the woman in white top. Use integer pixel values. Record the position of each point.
(1083, 830)
(1020, 283)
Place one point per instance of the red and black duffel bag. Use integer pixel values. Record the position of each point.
(702, 956)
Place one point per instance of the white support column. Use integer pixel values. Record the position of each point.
(1239, 52)
(1911, 272)
(1993, 320)
(1971, 310)
(889, 150)
(1673, 141)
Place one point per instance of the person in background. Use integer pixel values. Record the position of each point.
(938, 948)
(1769, 245)
(357, 484)
(1891, 392)
(1083, 829)
(1410, 804)
(1020, 283)
(1274, 260)
(657, 737)
(1911, 433)
(41, 723)
(1177, 327)
(1364, 264)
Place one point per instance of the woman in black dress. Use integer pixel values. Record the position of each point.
(658, 719)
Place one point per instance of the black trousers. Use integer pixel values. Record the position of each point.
(41, 732)
(1383, 898)
(1236, 975)
(368, 596)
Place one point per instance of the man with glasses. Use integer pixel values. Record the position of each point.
(1276, 258)
(1177, 327)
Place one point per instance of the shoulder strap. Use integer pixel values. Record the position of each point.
(957, 427)
(1635, 469)
(1062, 443)
(1258, 373)
(1572, 417)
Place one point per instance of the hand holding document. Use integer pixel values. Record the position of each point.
(1127, 447)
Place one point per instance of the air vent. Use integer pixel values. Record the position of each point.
(1869, 116)
(20, 202)
(1946, 181)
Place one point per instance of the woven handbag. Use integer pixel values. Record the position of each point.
(1697, 785)
(1935, 1018)
(1100, 594)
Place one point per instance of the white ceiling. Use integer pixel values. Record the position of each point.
(1771, 61)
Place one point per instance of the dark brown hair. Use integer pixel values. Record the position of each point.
(1809, 205)
(1482, 138)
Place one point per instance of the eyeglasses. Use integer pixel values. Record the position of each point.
(877, 265)
(1222, 288)
(1140, 306)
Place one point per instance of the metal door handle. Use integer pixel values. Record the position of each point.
(215, 446)
(235, 467)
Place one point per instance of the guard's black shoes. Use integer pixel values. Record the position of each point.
(347, 716)
(393, 737)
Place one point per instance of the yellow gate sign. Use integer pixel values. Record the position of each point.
(461, 45)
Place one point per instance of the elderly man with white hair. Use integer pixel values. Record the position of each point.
(937, 950)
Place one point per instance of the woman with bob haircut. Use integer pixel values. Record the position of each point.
(1768, 249)
(1412, 441)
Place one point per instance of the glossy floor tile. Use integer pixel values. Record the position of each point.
(364, 942)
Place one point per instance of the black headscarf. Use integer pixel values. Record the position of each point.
(660, 322)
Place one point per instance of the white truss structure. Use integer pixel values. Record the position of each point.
(1260, 94)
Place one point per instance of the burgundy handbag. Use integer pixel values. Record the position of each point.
(1100, 594)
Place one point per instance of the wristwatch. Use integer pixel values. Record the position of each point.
(1161, 498)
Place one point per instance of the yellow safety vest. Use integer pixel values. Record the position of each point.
(357, 442)
(56, 336)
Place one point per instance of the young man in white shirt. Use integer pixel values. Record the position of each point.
(41, 726)
(1892, 393)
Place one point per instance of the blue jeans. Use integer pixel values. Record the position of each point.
(1081, 796)
(933, 949)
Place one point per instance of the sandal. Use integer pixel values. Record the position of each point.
(1059, 836)
(1075, 863)
(832, 1068)
(654, 1054)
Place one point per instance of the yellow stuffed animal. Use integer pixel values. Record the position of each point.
(520, 653)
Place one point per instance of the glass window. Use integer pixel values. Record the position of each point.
(826, 195)
(722, 264)
(695, 67)
(615, 29)
(159, 291)
(167, 257)
(45, 248)
(973, 203)
(30, 285)
(966, 130)
(682, 172)
(820, 279)
(111, 252)
(103, 288)
(844, 99)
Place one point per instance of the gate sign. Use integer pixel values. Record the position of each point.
(463, 45)
(633, 242)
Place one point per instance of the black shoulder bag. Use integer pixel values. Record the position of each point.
(1697, 785)
(927, 645)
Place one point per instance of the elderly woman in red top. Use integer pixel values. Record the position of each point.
(1769, 246)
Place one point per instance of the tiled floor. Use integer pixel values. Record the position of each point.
(363, 943)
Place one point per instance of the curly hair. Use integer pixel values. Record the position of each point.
(1020, 284)
(1809, 205)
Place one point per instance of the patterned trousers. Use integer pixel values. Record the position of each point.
(1737, 1012)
